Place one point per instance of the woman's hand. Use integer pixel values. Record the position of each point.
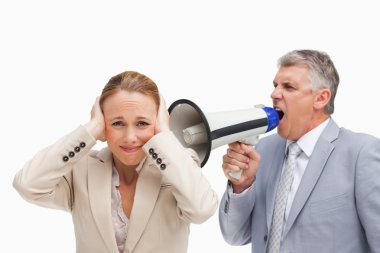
(241, 158)
(96, 126)
(162, 122)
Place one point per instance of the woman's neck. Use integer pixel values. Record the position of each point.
(127, 174)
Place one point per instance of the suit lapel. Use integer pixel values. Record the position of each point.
(100, 196)
(147, 190)
(273, 179)
(318, 159)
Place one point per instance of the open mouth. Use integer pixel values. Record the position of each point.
(279, 112)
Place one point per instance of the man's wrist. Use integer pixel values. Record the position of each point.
(240, 188)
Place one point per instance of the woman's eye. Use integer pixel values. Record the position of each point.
(118, 123)
(142, 123)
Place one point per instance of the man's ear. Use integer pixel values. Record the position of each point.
(322, 97)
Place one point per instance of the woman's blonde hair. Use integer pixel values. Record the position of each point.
(131, 81)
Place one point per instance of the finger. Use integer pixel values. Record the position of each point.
(162, 110)
(228, 168)
(162, 101)
(162, 123)
(97, 100)
(234, 174)
(250, 152)
(237, 156)
(234, 164)
(235, 146)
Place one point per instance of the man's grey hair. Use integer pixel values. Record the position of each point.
(321, 68)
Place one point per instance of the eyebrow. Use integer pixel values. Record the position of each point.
(118, 117)
(122, 118)
(283, 83)
(288, 83)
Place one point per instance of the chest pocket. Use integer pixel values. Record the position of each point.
(329, 205)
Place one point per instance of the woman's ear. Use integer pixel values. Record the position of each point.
(321, 98)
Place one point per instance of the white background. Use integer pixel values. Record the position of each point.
(56, 56)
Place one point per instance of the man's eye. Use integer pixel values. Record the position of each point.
(118, 123)
(288, 87)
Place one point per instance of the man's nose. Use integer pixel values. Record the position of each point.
(276, 93)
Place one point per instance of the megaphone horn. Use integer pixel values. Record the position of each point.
(204, 132)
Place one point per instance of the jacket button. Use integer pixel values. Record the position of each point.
(77, 149)
(82, 144)
(65, 158)
(158, 161)
(226, 206)
(151, 151)
(154, 155)
(71, 154)
(163, 166)
(265, 238)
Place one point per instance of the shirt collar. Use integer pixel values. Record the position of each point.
(307, 142)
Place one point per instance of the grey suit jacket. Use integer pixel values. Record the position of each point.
(336, 208)
(68, 175)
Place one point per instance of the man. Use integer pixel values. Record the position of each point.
(323, 197)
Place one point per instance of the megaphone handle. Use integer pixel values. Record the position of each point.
(235, 175)
(248, 141)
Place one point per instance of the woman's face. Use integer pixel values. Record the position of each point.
(130, 119)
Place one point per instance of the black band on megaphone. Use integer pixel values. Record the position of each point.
(238, 128)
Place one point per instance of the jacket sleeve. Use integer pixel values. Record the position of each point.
(46, 180)
(235, 216)
(367, 192)
(196, 200)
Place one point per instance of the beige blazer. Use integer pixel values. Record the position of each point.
(171, 193)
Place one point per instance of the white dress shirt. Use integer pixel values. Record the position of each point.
(307, 144)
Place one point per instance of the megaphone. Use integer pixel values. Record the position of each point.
(204, 132)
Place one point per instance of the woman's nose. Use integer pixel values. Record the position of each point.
(129, 134)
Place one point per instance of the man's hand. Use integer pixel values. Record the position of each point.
(241, 158)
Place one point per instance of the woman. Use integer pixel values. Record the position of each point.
(139, 194)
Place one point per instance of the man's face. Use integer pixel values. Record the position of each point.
(294, 97)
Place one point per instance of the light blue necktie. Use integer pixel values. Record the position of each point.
(281, 197)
